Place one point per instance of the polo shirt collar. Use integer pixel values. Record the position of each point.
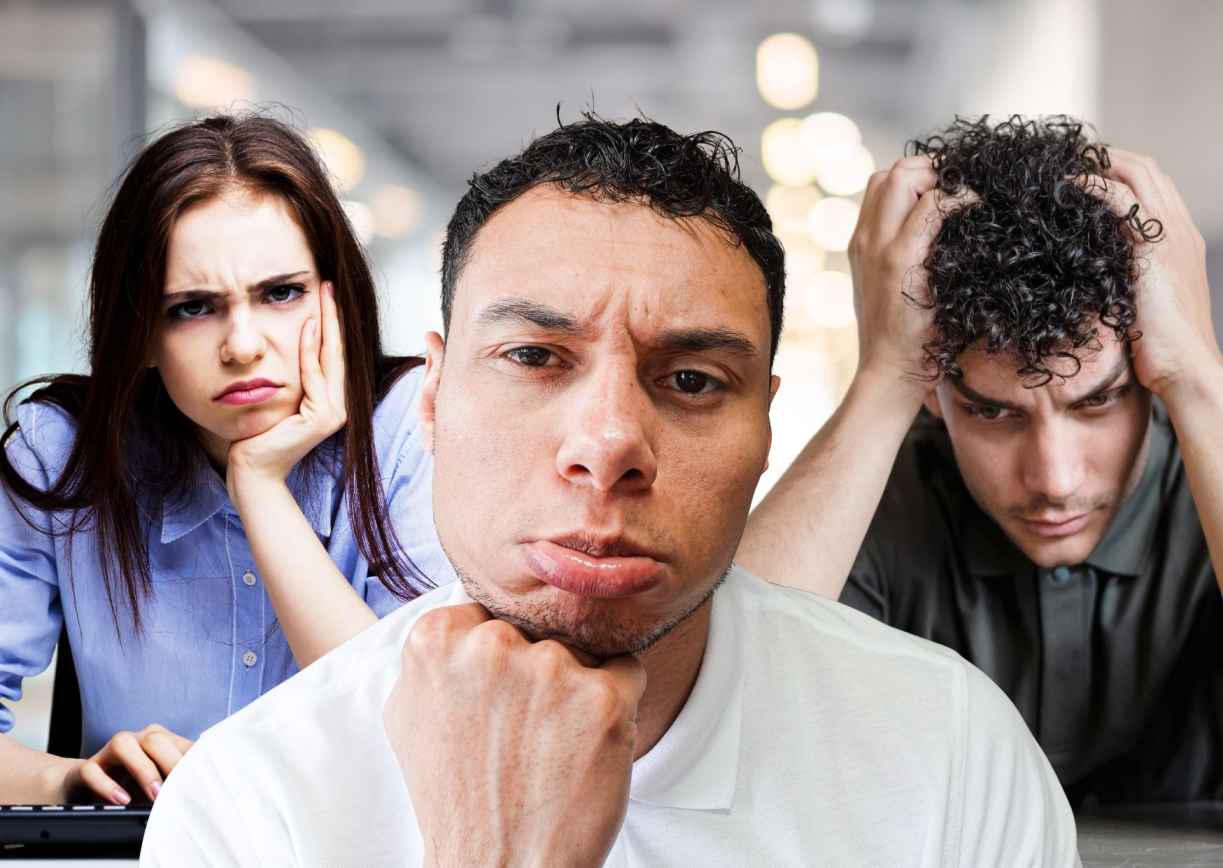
(695, 764)
(314, 489)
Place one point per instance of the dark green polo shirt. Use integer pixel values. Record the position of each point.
(1116, 664)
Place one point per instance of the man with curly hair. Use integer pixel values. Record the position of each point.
(1040, 304)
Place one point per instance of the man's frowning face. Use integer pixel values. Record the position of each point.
(600, 419)
(1051, 465)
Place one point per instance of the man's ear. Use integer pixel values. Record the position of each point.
(774, 385)
(435, 350)
(931, 402)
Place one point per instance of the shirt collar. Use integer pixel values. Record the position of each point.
(314, 489)
(1124, 547)
(695, 764)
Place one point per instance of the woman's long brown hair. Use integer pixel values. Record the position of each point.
(131, 440)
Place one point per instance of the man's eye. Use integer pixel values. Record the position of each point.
(1096, 401)
(695, 382)
(189, 310)
(985, 411)
(284, 293)
(532, 357)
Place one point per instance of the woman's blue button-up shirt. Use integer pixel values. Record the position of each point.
(210, 642)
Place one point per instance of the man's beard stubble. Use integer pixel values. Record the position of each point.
(604, 639)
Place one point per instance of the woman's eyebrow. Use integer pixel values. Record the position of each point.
(265, 283)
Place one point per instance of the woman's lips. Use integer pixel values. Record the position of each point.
(254, 395)
(591, 576)
(1055, 529)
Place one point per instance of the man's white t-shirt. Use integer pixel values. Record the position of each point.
(814, 735)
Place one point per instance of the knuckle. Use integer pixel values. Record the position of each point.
(552, 658)
(432, 630)
(497, 636)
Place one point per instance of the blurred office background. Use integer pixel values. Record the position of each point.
(405, 98)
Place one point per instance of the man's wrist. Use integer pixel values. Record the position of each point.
(1199, 384)
(889, 389)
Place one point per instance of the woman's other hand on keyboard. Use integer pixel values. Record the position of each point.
(143, 758)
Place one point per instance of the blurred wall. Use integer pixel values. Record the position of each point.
(1161, 92)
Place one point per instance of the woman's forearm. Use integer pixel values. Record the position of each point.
(30, 776)
(316, 605)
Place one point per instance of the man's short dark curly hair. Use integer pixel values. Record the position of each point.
(1040, 260)
(639, 160)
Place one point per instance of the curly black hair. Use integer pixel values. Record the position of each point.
(1040, 260)
(639, 160)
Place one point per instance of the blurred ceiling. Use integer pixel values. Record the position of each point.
(454, 85)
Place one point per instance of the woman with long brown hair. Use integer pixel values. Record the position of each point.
(213, 505)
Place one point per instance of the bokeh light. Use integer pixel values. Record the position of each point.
(831, 222)
(211, 83)
(787, 71)
(397, 210)
(340, 155)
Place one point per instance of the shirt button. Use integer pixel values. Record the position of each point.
(250, 658)
(1061, 575)
(248, 579)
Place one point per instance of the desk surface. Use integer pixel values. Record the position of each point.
(1152, 835)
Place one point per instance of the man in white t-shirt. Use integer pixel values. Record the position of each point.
(603, 686)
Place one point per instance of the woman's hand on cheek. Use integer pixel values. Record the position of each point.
(268, 457)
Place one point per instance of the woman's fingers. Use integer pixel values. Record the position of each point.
(314, 383)
(332, 356)
(164, 748)
(98, 782)
(126, 749)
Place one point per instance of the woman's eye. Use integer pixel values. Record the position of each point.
(532, 357)
(695, 382)
(284, 293)
(190, 310)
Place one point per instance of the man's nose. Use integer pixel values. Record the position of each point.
(1054, 463)
(607, 443)
(243, 343)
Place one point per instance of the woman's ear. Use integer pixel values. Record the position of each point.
(435, 350)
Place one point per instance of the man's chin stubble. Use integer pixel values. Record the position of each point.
(602, 640)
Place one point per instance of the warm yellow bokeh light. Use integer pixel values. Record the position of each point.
(783, 154)
(787, 71)
(789, 207)
(829, 299)
(397, 211)
(831, 223)
(210, 83)
(829, 128)
(843, 169)
(341, 156)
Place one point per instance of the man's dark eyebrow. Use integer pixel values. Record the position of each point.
(698, 340)
(975, 396)
(533, 313)
(206, 294)
(1106, 382)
